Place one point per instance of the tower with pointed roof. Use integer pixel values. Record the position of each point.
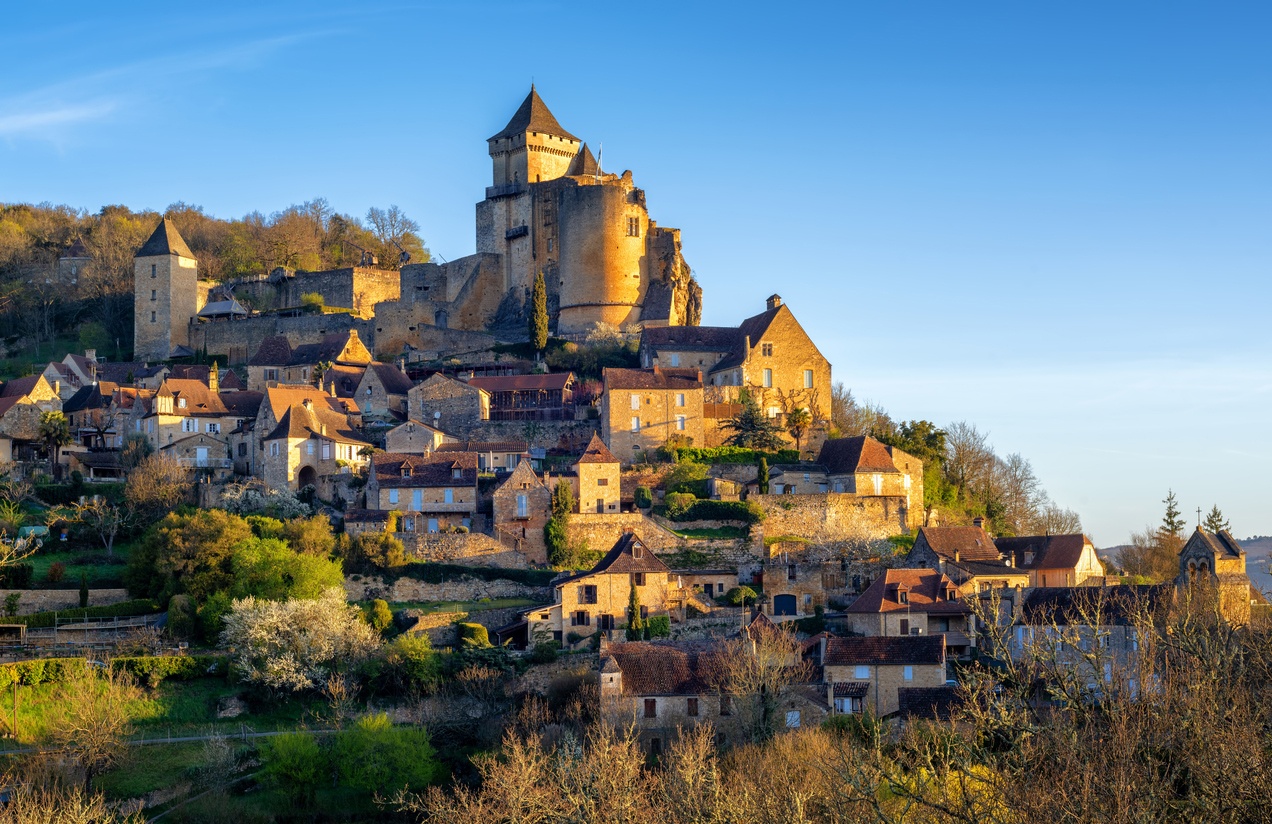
(165, 295)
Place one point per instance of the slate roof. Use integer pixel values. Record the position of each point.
(932, 703)
(597, 452)
(243, 403)
(692, 338)
(754, 328)
(394, 380)
(328, 349)
(583, 164)
(533, 116)
(366, 516)
(558, 381)
(273, 351)
(622, 560)
(99, 460)
(925, 593)
(1221, 543)
(878, 649)
(664, 668)
(482, 447)
(93, 396)
(119, 372)
(847, 456)
(1115, 605)
(656, 378)
(165, 240)
(76, 250)
(426, 471)
(221, 308)
(19, 387)
(970, 542)
(1049, 551)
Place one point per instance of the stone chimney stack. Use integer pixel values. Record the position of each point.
(774, 301)
(307, 403)
(978, 522)
(214, 379)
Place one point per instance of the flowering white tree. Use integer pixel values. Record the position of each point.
(296, 644)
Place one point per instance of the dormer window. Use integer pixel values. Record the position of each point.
(181, 403)
(457, 473)
(406, 470)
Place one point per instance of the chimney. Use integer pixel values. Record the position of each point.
(90, 354)
(956, 554)
(774, 301)
(307, 403)
(214, 379)
(978, 522)
(57, 388)
(821, 648)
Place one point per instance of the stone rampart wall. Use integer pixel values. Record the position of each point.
(832, 516)
(473, 549)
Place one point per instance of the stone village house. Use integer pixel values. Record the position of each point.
(867, 674)
(914, 603)
(642, 409)
(433, 494)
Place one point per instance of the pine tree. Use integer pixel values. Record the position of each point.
(1172, 524)
(538, 315)
(1215, 521)
(752, 429)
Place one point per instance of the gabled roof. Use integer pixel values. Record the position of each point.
(316, 420)
(597, 452)
(328, 349)
(273, 351)
(629, 554)
(1221, 543)
(20, 387)
(242, 403)
(664, 668)
(932, 703)
(424, 471)
(753, 328)
(925, 593)
(692, 338)
(344, 379)
(76, 250)
(482, 447)
(222, 308)
(656, 378)
(93, 396)
(846, 456)
(165, 240)
(200, 400)
(970, 542)
(554, 381)
(394, 380)
(879, 649)
(1048, 551)
(583, 164)
(1111, 606)
(533, 116)
(119, 372)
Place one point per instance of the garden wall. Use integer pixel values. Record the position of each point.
(360, 588)
(48, 600)
(832, 516)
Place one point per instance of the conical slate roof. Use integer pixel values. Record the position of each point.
(582, 164)
(533, 116)
(165, 241)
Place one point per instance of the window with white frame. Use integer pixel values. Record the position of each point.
(189, 425)
(273, 449)
(523, 506)
(214, 429)
(635, 423)
(808, 379)
(680, 423)
(326, 450)
(768, 378)
(861, 671)
(635, 402)
(680, 399)
(848, 706)
(181, 403)
(309, 447)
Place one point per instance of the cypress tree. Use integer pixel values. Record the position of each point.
(538, 315)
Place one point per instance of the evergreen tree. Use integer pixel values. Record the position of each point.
(762, 475)
(538, 314)
(635, 624)
(1215, 520)
(752, 429)
(562, 500)
(1172, 524)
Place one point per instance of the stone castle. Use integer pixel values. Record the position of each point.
(550, 209)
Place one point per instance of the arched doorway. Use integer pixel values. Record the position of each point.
(784, 605)
(308, 476)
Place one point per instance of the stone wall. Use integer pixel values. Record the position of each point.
(602, 531)
(832, 516)
(48, 600)
(363, 588)
(472, 549)
(239, 339)
(440, 626)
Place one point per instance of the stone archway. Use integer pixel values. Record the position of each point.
(308, 476)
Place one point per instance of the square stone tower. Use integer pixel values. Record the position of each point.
(165, 294)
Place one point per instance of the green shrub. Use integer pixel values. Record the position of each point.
(375, 756)
(295, 764)
(658, 626)
(735, 455)
(688, 476)
(181, 616)
(748, 512)
(41, 671)
(643, 497)
(125, 609)
(679, 503)
(17, 576)
(379, 616)
(155, 669)
(414, 666)
(545, 653)
(739, 596)
(11, 602)
(473, 636)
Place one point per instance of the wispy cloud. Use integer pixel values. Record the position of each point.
(42, 122)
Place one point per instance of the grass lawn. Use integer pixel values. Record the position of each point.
(460, 606)
(718, 533)
(146, 769)
(101, 575)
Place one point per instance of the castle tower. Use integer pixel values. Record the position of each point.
(165, 294)
(533, 147)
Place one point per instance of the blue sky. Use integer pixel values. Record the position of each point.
(1049, 219)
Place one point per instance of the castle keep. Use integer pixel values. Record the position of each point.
(550, 208)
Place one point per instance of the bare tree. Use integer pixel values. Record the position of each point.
(93, 720)
(755, 673)
(158, 485)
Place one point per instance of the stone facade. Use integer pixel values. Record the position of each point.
(239, 338)
(880, 670)
(832, 516)
(415, 438)
(448, 404)
(642, 409)
(598, 481)
(165, 294)
(603, 530)
(522, 506)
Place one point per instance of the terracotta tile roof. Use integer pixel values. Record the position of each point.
(970, 542)
(1114, 606)
(663, 668)
(229, 379)
(482, 447)
(273, 351)
(8, 403)
(279, 398)
(846, 456)
(1048, 551)
(300, 421)
(394, 380)
(597, 452)
(878, 649)
(926, 592)
(629, 554)
(425, 471)
(555, 381)
(165, 240)
(200, 400)
(533, 116)
(932, 703)
(656, 378)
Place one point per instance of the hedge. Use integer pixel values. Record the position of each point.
(152, 669)
(432, 573)
(747, 512)
(735, 455)
(66, 494)
(41, 671)
(659, 626)
(17, 577)
(124, 609)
